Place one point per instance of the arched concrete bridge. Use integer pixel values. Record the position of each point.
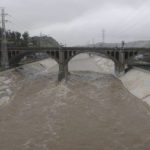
(120, 56)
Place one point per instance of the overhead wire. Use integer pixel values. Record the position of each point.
(23, 26)
(131, 23)
(129, 15)
(128, 23)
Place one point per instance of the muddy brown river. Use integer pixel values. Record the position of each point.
(92, 111)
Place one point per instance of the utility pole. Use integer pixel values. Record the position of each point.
(4, 51)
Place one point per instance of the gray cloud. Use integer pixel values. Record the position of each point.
(79, 21)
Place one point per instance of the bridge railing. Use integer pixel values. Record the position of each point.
(128, 49)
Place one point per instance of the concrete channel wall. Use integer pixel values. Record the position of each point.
(137, 81)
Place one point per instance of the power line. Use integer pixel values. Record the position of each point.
(128, 17)
(19, 27)
(127, 26)
(137, 24)
(23, 25)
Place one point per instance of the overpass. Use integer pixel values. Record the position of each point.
(62, 55)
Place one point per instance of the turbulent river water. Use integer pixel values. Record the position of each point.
(92, 111)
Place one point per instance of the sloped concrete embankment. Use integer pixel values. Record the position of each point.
(11, 80)
(137, 81)
(9, 83)
(39, 68)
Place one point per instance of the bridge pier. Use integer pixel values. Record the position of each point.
(120, 66)
(63, 67)
(63, 72)
(119, 69)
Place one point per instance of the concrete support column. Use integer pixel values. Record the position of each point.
(120, 66)
(66, 71)
(63, 67)
(63, 72)
(119, 69)
(122, 57)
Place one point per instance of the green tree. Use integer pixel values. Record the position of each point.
(18, 38)
(25, 36)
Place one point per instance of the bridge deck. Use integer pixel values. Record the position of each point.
(77, 49)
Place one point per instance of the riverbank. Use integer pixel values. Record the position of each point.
(137, 81)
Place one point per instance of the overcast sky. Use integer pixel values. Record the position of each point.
(77, 22)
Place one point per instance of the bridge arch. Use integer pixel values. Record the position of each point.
(91, 62)
(110, 56)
